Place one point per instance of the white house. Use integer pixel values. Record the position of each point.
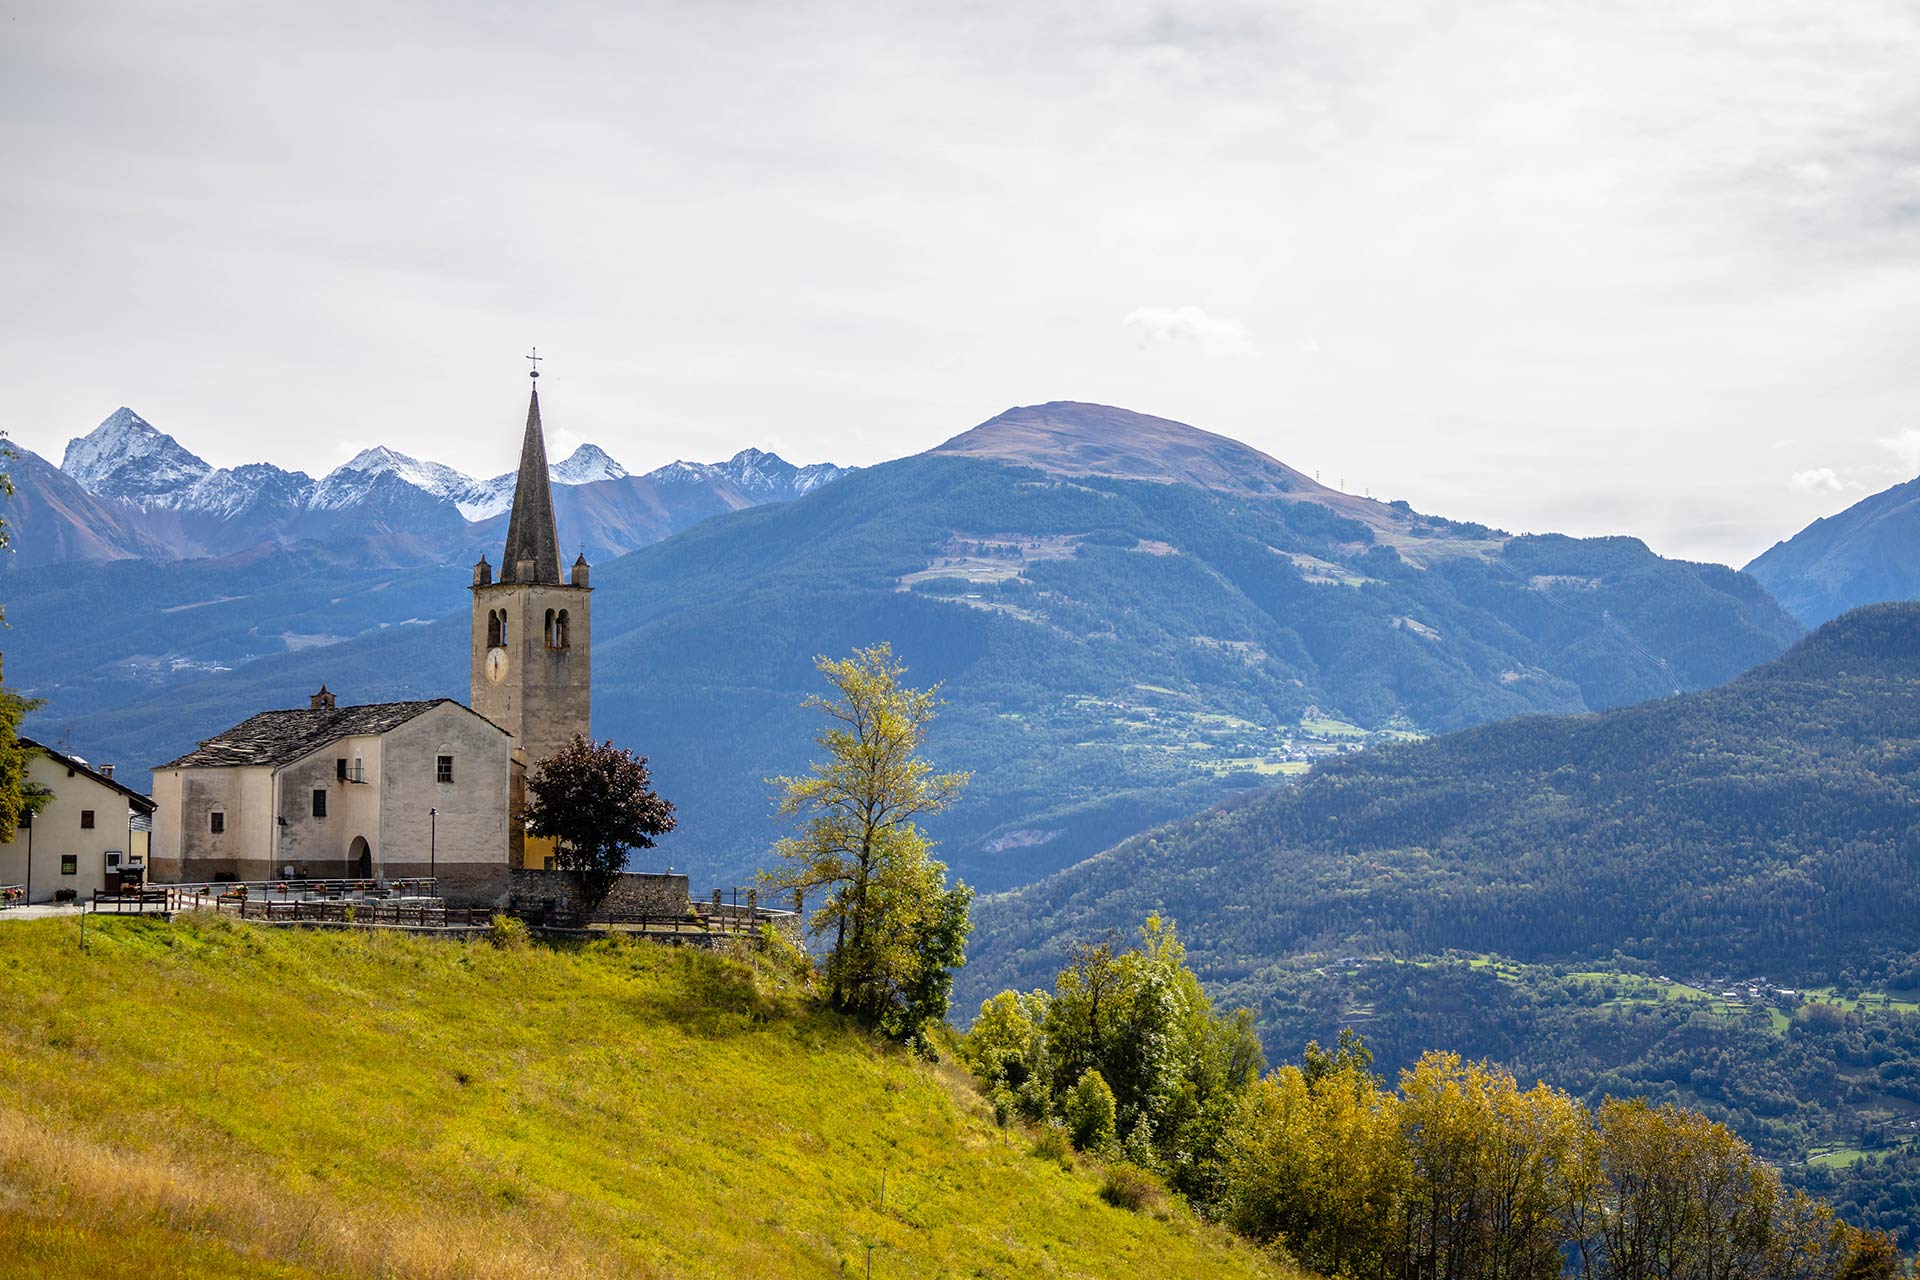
(90, 835)
(386, 790)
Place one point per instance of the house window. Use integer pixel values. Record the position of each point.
(113, 859)
(86, 819)
(443, 768)
(217, 822)
(69, 864)
(340, 768)
(319, 802)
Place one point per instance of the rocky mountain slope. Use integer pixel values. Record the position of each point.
(1866, 554)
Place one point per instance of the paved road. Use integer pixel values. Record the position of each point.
(40, 911)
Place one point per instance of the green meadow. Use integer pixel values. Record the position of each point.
(205, 1098)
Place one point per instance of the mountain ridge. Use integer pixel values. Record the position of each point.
(1115, 652)
(1867, 554)
(128, 490)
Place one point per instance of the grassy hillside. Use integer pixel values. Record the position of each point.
(1116, 652)
(212, 1099)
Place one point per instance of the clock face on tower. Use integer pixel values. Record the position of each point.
(496, 665)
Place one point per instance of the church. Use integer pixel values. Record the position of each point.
(393, 790)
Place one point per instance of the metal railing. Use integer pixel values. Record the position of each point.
(295, 890)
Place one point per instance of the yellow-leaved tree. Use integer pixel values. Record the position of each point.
(897, 930)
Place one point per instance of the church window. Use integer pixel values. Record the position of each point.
(69, 864)
(496, 630)
(217, 822)
(443, 768)
(86, 819)
(319, 802)
(560, 630)
(550, 641)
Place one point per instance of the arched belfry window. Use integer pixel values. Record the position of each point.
(560, 640)
(496, 629)
(550, 639)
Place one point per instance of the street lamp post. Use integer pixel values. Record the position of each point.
(433, 849)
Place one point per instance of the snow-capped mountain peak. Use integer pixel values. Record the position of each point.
(126, 457)
(587, 464)
(754, 473)
(198, 509)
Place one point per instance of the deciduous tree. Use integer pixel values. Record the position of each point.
(898, 931)
(598, 802)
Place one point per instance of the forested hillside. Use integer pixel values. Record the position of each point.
(1115, 649)
(1770, 823)
(1681, 879)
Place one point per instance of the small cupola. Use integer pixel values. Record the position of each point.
(321, 701)
(580, 570)
(482, 573)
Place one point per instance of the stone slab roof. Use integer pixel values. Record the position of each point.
(279, 737)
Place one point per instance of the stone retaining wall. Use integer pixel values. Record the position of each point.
(634, 893)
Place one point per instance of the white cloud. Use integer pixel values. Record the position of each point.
(1818, 480)
(1905, 447)
(1170, 326)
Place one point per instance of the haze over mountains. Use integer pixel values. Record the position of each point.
(127, 489)
(1131, 617)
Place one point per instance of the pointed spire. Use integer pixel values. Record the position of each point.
(533, 541)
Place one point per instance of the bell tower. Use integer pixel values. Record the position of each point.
(532, 630)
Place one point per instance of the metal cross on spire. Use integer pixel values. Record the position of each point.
(535, 358)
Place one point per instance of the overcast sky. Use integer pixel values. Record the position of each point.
(1602, 268)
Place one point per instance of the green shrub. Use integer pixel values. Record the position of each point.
(509, 934)
(1053, 1144)
(1128, 1186)
(1089, 1112)
(1034, 1099)
(1003, 1105)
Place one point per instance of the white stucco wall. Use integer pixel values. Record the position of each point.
(387, 801)
(471, 827)
(56, 831)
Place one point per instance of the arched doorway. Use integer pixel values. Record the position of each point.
(360, 859)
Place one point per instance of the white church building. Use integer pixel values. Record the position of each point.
(395, 790)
